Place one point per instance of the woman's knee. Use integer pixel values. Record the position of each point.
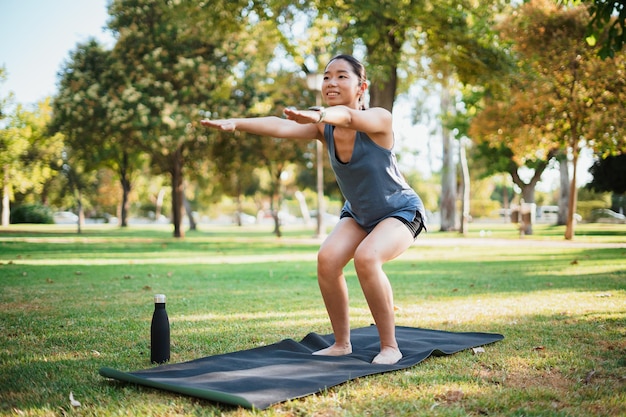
(366, 259)
(328, 262)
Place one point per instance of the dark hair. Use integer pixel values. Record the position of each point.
(357, 67)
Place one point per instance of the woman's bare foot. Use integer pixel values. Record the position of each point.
(388, 356)
(335, 350)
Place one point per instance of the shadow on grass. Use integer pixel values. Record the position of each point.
(589, 229)
(272, 275)
(517, 273)
(145, 249)
(150, 232)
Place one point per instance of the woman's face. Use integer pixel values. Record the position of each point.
(341, 86)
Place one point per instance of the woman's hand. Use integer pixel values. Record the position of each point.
(227, 125)
(272, 126)
(302, 116)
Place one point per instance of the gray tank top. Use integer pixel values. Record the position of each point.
(371, 183)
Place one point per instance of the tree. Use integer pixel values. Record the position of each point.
(27, 154)
(85, 112)
(495, 154)
(449, 163)
(564, 96)
(176, 58)
(81, 180)
(258, 88)
(609, 175)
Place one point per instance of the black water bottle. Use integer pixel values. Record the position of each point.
(159, 332)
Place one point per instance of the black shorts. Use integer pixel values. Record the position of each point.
(415, 227)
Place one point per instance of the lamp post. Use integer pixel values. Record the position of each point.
(314, 82)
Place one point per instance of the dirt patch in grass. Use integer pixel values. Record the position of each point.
(552, 380)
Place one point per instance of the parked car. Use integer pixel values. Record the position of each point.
(607, 216)
(65, 217)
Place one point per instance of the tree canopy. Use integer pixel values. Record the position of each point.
(609, 174)
(28, 154)
(607, 25)
(563, 98)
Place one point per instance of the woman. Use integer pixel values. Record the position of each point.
(382, 215)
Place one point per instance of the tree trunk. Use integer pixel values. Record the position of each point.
(274, 212)
(573, 194)
(506, 201)
(563, 190)
(125, 206)
(275, 202)
(75, 187)
(177, 194)
(239, 206)
(6, 200)
(383, 94)
(383, 90)
(81, 212)
(126, 188)
(465, 188)
(192, 221)
(448, 170)
(528, 194)
(158, 204)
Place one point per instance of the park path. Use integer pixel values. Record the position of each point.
(521, 242)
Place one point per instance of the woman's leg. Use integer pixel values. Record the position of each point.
(389, 239)
(334, 254)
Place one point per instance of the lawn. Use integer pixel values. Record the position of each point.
(70, 304)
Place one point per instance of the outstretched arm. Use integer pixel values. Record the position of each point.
(376, 121)
(269, 126)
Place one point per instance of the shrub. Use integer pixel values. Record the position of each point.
(31, 213)
(480, 208)
(585, 208)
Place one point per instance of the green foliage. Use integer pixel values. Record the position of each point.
(609, 174)
(562, 93)
(5, 101)
(587, 194)
(585, 208)
(428, 190)
(29, 154)
(31, 213)
(607, 26)
(499, 193)
(483, 208)
(403, 39)
(181, 61)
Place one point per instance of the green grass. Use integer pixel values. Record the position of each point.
(70, 304)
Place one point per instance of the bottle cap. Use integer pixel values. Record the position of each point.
(159, 298)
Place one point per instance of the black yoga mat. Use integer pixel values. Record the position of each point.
(260, 377)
